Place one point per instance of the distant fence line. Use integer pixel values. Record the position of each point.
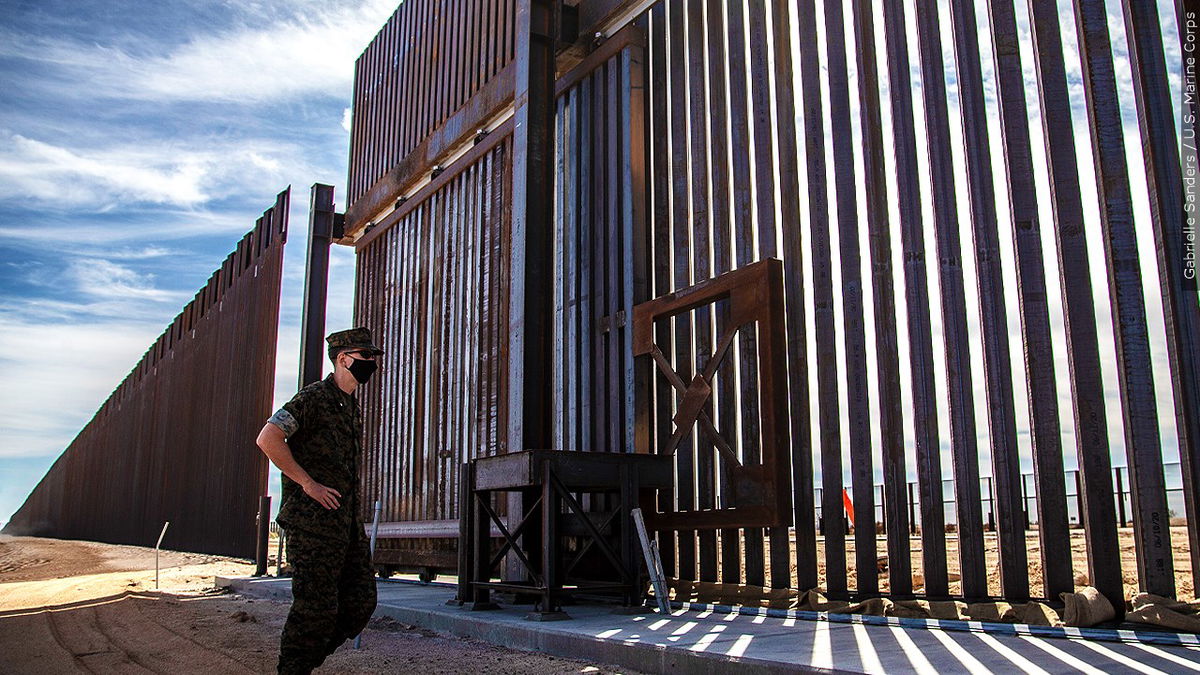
(175, 440)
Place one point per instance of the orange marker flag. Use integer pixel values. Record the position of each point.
(849, 506)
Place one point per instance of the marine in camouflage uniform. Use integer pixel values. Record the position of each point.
(333, 585)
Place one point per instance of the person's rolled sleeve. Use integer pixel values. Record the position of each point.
(285, 421)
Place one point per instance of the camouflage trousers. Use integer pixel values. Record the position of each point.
(333, 597)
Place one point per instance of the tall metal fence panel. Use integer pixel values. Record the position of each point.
(175, 440)
(974, 309)
(437, 67)
(433, 285)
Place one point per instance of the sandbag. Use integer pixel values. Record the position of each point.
(995, 612)
(1159, 611)
(1036, 614)
(1087, 607)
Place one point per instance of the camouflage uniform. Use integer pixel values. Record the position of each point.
(333, 586)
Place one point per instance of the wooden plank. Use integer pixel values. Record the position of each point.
(698, 114)
(1151, 517)
(1083, 355)
(924, 394)
(681, 265)
(963, 445)
(726, 419)
(1006, 465)
(661, 241)
(891, 424)
(1164, 181)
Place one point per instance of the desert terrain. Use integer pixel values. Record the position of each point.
(84, 607)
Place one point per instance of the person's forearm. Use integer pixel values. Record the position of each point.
(277, 450)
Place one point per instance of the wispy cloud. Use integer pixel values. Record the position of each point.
(265, 58)
(105, 279)
(183, 174)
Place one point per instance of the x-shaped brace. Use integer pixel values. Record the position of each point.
(693, 397)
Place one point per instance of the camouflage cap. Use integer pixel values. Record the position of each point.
(353, 338)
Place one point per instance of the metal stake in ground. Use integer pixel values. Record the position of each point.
(156, 545)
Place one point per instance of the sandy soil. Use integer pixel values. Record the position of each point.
(72, 606)
(1184, 579)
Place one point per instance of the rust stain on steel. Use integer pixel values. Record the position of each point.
(175, 440)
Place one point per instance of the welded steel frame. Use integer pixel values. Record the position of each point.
(760, 492)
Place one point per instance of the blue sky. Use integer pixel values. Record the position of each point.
(138, 142)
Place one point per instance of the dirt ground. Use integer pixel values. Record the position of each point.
(73, 606)
(1184, 579)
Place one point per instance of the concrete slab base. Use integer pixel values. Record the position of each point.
(688, 641)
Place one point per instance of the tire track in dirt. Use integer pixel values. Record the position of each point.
(233, 665)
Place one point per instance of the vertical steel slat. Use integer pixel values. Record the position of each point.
(1006, 465)
(886, 342)
(1164, 181)
(698, 114)
(857, 402)
(743, 236)
(1083, 355)
(566, 248)
(635, 196)
(963, 444)
(828, 413)
(587, 325)
(559, 344)
(929, 469)
(426, 241)
(726, 419)
(1151, 518)
(798, 398)
(599, 217)
(613, 257)
(396, 487)
(780, 555)
(680, 218)
(484, 412)
(1053, 531)
(661, 157)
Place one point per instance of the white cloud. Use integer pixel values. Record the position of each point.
(185, 174)
(347, 119)
(34, 169)
(104, 279)
(272, 59)
(59, 394)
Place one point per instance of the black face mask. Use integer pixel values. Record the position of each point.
(362, 369)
